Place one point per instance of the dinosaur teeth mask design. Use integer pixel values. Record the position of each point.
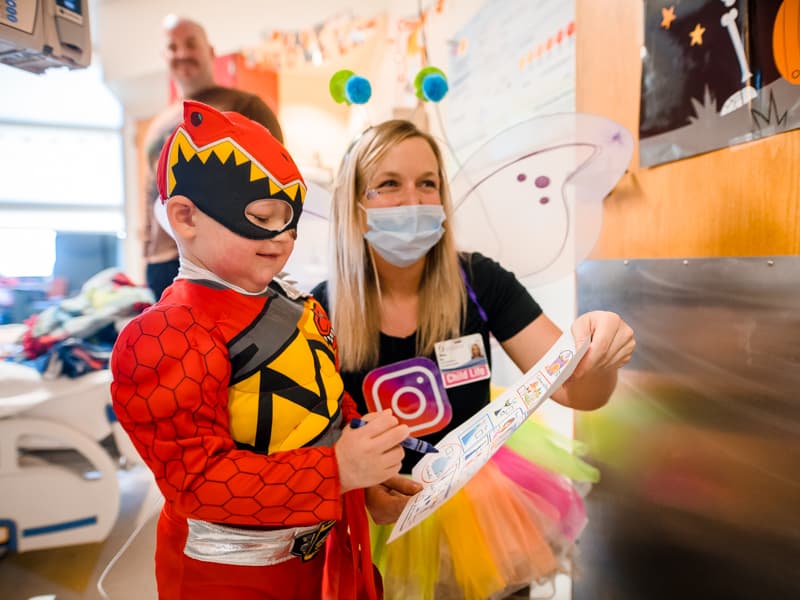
(222, 162)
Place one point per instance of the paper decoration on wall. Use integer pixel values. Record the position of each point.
(786, 41)
(322, 42)
(336, 37)
(503, 71)
(531, 197)
(411, 31)
(717, 73)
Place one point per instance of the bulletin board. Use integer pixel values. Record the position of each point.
(715, 74)
(741, 200)
(514, 59)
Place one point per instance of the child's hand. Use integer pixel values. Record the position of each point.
(387, 500)
(370, 454)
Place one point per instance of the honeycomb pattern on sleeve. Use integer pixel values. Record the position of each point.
(171, 372)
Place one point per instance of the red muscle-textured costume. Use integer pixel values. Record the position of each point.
(234, 402)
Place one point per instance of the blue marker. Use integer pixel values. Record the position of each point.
(411, 443)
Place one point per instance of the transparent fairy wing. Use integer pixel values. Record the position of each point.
(308, 263)
(531, 197)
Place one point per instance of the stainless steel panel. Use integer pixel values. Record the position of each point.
(699, 446)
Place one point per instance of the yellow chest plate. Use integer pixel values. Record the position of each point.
(285, 391)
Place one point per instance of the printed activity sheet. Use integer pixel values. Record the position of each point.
(463, 451)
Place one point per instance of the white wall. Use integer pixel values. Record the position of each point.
(128, 35)
(128, 40)
(136, 73)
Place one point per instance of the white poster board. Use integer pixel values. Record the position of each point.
(515, 59)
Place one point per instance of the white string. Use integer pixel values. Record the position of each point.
(436, 109)
(155, 506)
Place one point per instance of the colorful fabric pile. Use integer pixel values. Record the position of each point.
(75, 336)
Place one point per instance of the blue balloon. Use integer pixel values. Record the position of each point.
(358, 90)
(434, 87)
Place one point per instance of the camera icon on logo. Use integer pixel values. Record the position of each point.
(413, 390)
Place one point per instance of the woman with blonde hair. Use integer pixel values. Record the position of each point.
(398, 287)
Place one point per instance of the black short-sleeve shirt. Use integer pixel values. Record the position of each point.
(497, 304)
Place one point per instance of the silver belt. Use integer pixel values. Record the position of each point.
(212, 542)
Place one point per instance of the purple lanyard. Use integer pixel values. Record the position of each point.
(472, 296)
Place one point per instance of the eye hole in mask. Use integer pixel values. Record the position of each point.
(269, 213)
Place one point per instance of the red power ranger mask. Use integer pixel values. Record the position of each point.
(223, 162)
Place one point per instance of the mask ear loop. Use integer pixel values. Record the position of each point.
(375, 275)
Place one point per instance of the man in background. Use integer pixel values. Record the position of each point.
(190, 60)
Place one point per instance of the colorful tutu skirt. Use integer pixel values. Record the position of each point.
(513, 524)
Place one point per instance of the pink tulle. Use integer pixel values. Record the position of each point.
(555, 489)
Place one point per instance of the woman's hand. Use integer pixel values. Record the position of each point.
(611, 344)
(387, 500)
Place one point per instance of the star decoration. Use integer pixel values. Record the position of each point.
(667, 16)
(697, 35)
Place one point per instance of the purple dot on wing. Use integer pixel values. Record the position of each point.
(544, 200)
(542, 181)
(521, 177)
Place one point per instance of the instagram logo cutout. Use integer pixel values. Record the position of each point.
(413, 390)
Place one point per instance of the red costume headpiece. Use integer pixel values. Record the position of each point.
(222, 162)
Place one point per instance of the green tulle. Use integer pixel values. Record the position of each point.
(551, 450)
(409, 565)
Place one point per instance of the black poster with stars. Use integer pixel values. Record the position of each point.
(717, 73)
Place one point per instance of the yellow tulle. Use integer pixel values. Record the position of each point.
(489, 538)
(409, 565)
(522, 559)
(474, 566)
(513, 524)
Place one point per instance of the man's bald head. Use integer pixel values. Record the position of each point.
(189, 55)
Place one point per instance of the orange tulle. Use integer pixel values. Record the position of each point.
(520, 559)
(492, 537)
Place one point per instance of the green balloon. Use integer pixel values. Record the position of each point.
(338, 83)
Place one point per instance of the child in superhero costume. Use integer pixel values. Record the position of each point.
(229, 389)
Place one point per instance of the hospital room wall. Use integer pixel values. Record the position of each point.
(738, 201)
(316, 130)
(731, 202)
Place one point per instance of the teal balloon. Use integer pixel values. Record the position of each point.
(434, 87)
(358, 90)
(431, 84)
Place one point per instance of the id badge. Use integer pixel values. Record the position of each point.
(462, 360)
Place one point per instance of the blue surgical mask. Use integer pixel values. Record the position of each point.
(404, 234)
